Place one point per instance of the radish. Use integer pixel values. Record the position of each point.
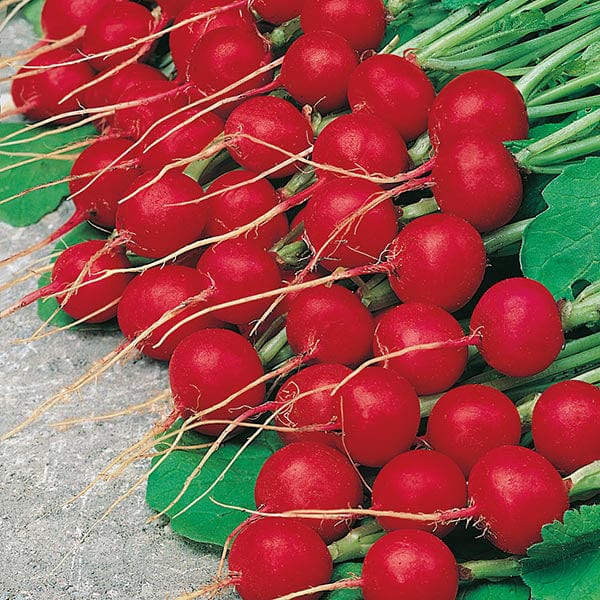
(278, 12)
(308, 475)
(311, 405)
(154, 292)
(477, 178)
(565, 424)
(482, 102)
(330, 325)
(79, 283)
(394, 89)
(521, 331)
(361, 22)
(430, 371)
(409, 564)
(419, 481)
(271, 120)
(273, 557)
(159, 216)
(208, 367)
(470, 420)
(438, 259)
(380, 415)
(114, 25)
(239, 268)
(232, 208)
(38, 88)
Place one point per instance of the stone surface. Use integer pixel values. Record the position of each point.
(48, 550)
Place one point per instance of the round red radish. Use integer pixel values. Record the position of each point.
(476, 178)
(419, 481)
(380, 415)
(520, 327)
(394, 89)
(439, 259)
(162, 217)
(207, 368)
(232, 208)
(409, 564)
(278, 12)
(61, 18)
(470, 420)
(180, 144)
(307, 476)
(38, 95)
(237, 269)
(361, 143)
(316, 69)
(361, 22)
(365, 238)
(330, 324)
(516, 491)
(483, 102)
(116, 24)
(311, 407)
(565, 424)
(430, 371)
(274, 121)
(92, 301)
(153, 293)
(273, 557)
(99, 200)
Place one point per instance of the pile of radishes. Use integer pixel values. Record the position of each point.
(263, 203)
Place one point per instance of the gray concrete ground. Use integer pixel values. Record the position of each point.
(49, 551)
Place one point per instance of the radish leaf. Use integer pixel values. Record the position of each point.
(32, 13)
(510, 589)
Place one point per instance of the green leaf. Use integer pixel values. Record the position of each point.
(206, 521)
(533, 200)
(566, 564)
(32, 12)
(345, 571)
(561, 246)
(509, 589)
(30, 208)
(456, 4)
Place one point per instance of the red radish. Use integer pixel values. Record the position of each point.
(409, 564)
(362, 241)
(183, 39)
(394, 89)
(476, 178)
(470, 420)
(565, 424)
(116, 24)
(209, 366)
(161, 218)
(305, 476)
(172, 8)
(153, 293)
(362, 143)
(271, 120)
(419, 481)
(274, 557)
(239, 268)
(380, 415)
(330, 324)
(311, 407)
(521, 331)
(233, 208)
(430, 371)
(278, 11)
(181, 143)
(440, 259)
(515, 491)
(94, 297)
(316, 69)
(61, 18)
(37, 96)
(483, 102)
(361, 22)
(225, 55)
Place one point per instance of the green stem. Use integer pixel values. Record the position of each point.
(566, 89)
(298, 183)
(420, 151)
(585, 482)
(505, 236)
(561, 108)
(500, 568)
(426, 206)
(293, 254)
(585, 310)
(526, 407)
(281, 36)
(282, 357)
(380, 297)
(565, 153)
(270, 350)
(357, 542)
